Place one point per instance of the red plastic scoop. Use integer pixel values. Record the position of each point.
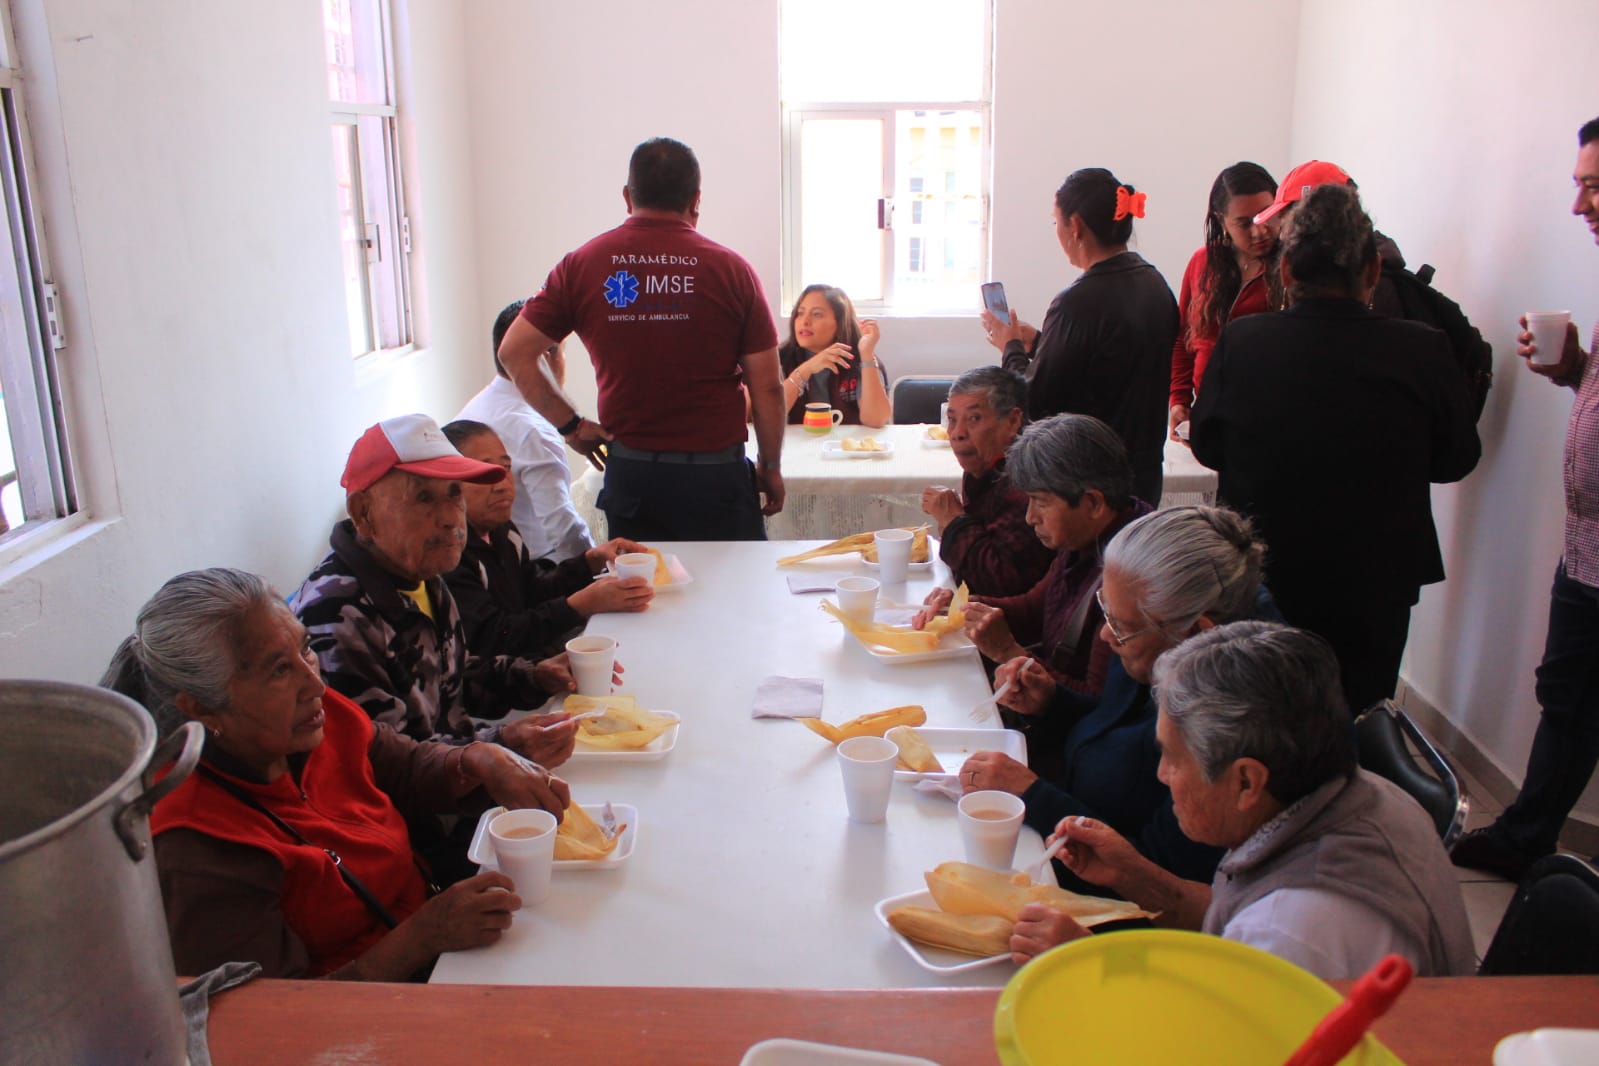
(1336, 1034)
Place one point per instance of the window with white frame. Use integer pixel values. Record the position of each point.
(35, 473)
(886, 107)
(374, 230)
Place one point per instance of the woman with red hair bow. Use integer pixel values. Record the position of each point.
(1105, 347)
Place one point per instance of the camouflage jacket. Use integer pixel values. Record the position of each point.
(403, 668)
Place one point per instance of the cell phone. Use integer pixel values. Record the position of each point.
(994, 300)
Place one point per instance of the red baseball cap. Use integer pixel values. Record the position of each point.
(415, 444)
(1300, 180)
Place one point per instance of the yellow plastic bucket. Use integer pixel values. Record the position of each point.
(1160, 997)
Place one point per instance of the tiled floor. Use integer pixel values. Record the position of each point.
(1486, 894)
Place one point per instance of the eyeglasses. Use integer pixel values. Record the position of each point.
(1121, 639)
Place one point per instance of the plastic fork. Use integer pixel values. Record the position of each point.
(981, 712)
(1042, 870)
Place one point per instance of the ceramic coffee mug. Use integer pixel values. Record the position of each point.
(820, 418)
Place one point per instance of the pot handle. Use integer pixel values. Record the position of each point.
(184, 746)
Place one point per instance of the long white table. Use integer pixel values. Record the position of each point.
(746, 871)
(830, 498)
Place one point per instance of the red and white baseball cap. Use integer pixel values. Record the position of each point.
(1300, 180)
(415, 444)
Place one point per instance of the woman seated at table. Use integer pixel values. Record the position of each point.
(1327, 865)
(824, 358)
(1226, 279)
(1079, 487)
(292, 775)
(1105, 346)
(1168, 575)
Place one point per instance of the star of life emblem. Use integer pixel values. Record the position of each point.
(621, 289)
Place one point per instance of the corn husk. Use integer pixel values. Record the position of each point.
(663, 573)
(862, 543)
(870, 724)
(580, 837)
(983, 935)
(961, 888)
(914, 754)
(876, 634)
(955, 619)
(902, 639)
(625, 726)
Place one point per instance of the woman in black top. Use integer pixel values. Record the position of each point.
(823, 358)
(1327, 424)
(1105, 348)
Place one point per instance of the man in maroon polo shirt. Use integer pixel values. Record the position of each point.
(674, 324)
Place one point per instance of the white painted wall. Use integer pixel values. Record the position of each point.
(1076, 85)
(1462, 136)
(211, 395)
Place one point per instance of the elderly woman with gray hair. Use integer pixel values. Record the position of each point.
(1168, 576)
(288, 844)
(1079, 486)
(1327, 865)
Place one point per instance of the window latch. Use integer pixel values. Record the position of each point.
(374, 250)
(885, 213)
(52, 317)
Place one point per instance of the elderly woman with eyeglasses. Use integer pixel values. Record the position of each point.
(1167, 576)
(288, 845)
(1327, 865)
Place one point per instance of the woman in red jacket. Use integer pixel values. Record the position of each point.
(288, 844)
(1226, 279)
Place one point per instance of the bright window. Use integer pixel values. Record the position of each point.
(35, 474)
(886, 112)
(374, 230)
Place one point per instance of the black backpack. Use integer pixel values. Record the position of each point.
(1403, 294)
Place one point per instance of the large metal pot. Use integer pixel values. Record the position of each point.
(85, 967)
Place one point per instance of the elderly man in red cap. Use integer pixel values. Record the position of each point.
(384, 627)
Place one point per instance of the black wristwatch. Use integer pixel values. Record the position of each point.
(570, 427)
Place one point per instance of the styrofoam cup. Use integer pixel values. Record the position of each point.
(990, 822)
(1548, 329)
(857, 597)
(524, 850)
(592, 660)
(636, 564)
(867, 764)
(893, 555)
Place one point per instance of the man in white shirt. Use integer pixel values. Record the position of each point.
(543, 513)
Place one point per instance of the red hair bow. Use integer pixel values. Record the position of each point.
(1128, 203)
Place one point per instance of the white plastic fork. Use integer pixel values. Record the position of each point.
(981, 711)
(1042, 870)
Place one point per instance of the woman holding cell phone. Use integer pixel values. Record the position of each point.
(825, 358)
(1105, 346)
